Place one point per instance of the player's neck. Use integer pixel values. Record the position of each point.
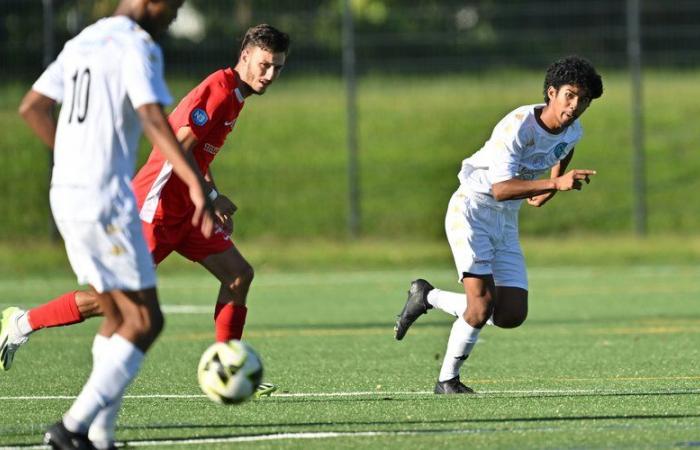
(243, 87)
(129, 10)
(136, 13)
(546, 119)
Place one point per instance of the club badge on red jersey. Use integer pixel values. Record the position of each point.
(199, 117)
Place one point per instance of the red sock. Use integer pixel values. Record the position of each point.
(58, 312)
(229, 320)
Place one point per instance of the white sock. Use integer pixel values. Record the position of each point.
(460, 344)
(452, 303)
(23, 324)
(109, 378)
(102, 429)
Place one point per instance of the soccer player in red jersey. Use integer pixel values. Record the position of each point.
(201, 121)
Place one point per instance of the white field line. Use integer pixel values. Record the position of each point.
(187, 309)
(323, 435)
(527, 392)
(271, 437)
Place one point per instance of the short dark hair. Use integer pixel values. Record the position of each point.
(267, 38)
(573, 70)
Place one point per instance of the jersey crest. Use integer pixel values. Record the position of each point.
(199, 117)
(559, 149)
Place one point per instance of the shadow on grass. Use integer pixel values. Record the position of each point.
(288, 428)
(423, 421)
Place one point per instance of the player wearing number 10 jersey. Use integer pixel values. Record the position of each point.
(110, 81)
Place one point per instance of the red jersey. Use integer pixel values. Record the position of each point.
(210, 110)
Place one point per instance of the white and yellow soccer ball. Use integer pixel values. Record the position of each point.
(229, 372)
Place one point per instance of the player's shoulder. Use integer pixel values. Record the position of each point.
(518, 121)
(221, 81)
(219, 86)
(523, 115)
(130, 35)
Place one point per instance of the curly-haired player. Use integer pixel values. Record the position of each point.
(482, 217)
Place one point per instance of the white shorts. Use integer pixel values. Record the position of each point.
(109, 254)
(484, 240)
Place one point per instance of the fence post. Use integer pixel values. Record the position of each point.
(48, 56)
(351, 105)
(634, 53)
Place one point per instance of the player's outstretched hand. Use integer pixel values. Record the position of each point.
(224, 209)
(203, 211)
(574, 179)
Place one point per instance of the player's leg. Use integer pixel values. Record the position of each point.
(422, 296)
(67, 309)
(479, 290)
(235, 275)
(125, 282)
(138, 321)
(510, 309)
(221, 258)
(470, 228)
(103, 427)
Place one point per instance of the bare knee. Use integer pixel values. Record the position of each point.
(478, 312)
(242, 279)
(145, 323)
(247, 275)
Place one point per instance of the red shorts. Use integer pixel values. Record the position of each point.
(163, 238)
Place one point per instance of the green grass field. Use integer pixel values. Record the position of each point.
(608, 358)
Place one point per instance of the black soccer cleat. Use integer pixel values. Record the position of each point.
(452, 386)
(58, 437)
(416, 304)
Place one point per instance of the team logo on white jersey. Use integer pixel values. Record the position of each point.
(559, 149)
(199, 117)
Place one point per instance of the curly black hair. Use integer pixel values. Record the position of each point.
(267, 38)
(573, 70)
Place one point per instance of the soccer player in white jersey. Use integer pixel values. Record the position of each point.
(482, 216)
(110, 81)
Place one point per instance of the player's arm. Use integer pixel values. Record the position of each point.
(221, 202)
(38, 111)
(223, 207)
(158, 131)
(515, 189)
(556, 171)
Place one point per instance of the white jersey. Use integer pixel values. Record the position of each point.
(518, 148)
(101, 76)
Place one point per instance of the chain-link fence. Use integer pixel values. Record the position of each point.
(391, 35)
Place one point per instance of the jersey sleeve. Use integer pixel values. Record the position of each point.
(50, 83)
(142, 70)
(204, 109)
(507, 147)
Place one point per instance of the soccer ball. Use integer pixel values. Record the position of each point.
(229, 372)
